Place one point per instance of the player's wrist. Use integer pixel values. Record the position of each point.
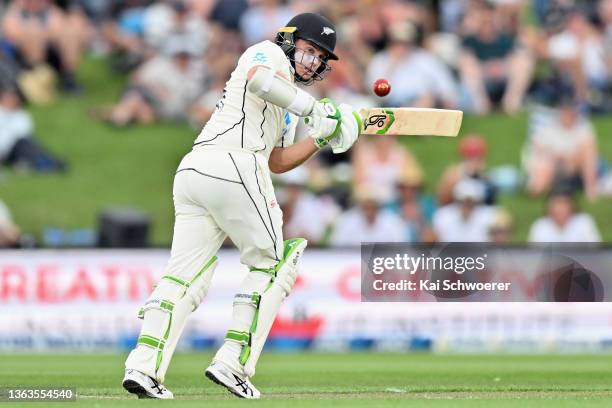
(303, 104)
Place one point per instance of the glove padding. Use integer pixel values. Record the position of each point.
(350, 128)
(324, 122)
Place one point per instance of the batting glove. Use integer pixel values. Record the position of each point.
(350, 128)
(324, 122)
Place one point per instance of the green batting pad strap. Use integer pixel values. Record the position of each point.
(269, 271)
(151, 341)
(208, 264)
(239, 336)
(166, 305)
(247, 299)
(176, 280)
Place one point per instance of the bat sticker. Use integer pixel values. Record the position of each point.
(379, 120)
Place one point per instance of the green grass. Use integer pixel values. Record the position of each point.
(355, 380)
(135, 166)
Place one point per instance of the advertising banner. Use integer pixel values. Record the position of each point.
(88, 300)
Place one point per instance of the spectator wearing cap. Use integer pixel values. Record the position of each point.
(563, 223)
(380, 161)
(493, 68)
(415, 207)
(467, 219)
(304, 214)
(472, 150)
(163, 88)
(417, 77)
(562, 154)
(367, 221)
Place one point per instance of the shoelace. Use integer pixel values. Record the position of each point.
(157, 386)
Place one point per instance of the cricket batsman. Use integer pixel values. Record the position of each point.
(222, 188)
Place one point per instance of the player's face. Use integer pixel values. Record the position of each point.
(308, 58)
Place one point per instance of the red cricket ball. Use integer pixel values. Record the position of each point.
(381, 87)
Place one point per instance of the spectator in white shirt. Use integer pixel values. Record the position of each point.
(465, 220)
(417, 78)
(367, 222)
(564, 152)
(563, 223)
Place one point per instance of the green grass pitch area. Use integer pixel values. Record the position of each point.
(339, 380)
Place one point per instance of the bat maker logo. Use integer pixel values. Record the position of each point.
(383, 121)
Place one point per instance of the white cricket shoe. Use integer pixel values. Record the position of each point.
(144, 386)
(238, 385)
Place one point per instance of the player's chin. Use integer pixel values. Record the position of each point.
(307, 75)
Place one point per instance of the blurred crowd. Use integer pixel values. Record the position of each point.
(549, 57)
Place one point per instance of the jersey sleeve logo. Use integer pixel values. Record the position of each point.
(287, 120)
(260, 57)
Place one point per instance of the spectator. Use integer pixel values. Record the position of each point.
(17, 144)
(220, 69)
(367, 222)
(261, 21)
(492, 67)
(380, 161)
(304, 214)
(466, 220)
(39, 32)
(165, 87)
(416, 76)
(500, 231)
(473, 151)
(563, 152)
(173, 17)
(563, 222)
(578, 51)
(9, 232)
(415, 207)
(123, 31)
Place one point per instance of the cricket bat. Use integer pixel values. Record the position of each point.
(410, 121)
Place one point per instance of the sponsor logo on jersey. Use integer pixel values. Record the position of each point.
(287, 120)
(327, 31)
(260, 57)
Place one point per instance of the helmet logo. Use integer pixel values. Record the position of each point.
(327, 31)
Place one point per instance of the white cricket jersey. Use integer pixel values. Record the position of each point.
(244, 120)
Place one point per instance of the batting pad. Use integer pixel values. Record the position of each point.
(165, 314)
(255, 309)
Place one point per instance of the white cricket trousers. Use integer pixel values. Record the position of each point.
(220, 193)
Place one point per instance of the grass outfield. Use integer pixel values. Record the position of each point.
(135, 166)
(341, 380)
